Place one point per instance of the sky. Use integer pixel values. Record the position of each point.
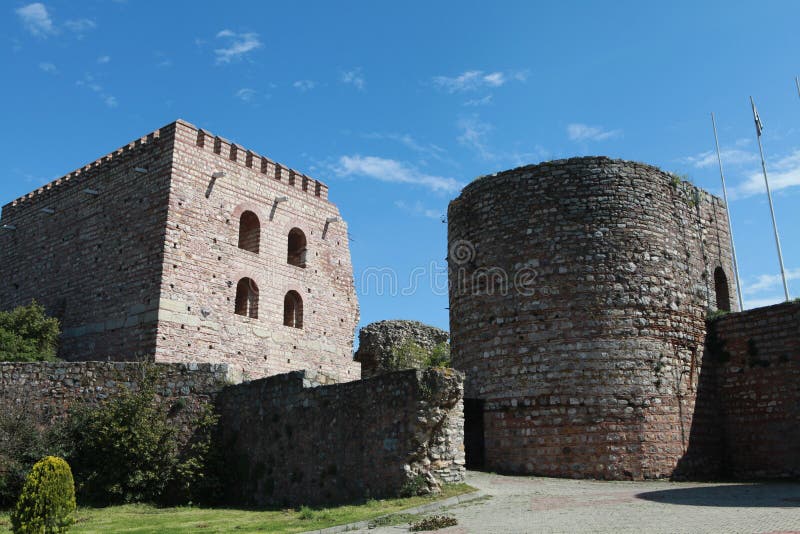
(398, 105)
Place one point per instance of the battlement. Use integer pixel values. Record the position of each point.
(83, 175)
(203, 139)
(234, 152)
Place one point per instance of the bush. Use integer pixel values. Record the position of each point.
(27, 334)
(47, 501)
(127, 450)
(411, 355)
(22, 444)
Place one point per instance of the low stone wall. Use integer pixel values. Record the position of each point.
(288, 441)
(296, 438)
(747, 417)
(47, 391)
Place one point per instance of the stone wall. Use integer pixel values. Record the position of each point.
(748, 404)
(138, 255)
(288, 441)
(47, 391)
(378, 341)
(578, 295)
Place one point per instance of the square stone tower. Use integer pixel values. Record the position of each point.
(184, 247)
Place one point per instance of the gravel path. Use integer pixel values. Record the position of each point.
(533, 504)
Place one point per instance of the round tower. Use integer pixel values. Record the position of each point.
(579, 291)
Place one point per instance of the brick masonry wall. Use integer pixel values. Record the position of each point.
(347, 442)
(578, 295)
(145, 265)
(89, 246)
(377, 343)
(751, 398)
(203, 265)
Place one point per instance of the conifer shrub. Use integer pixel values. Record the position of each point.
(47, 501)
(27, 334)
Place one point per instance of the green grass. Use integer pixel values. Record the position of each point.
(143, 518)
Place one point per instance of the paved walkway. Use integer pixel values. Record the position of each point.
(533, 504)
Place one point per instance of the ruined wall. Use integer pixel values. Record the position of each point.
(378, 341)
(89, 246)
(750, 397)
(203, 264)
(288, 442)
(578, 295)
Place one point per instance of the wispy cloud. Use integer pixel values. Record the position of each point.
(80, 26)
(475, 102)
(48, 68)
(470, 81)
(36, 19)
(238, 45)
(408, 141)
(783, 174)
(584, 132)
(89, 82)
(473, 135)
(103, 59)
(354, 77)
(393, 171)
(730, 156)
(304, 85)
(418, 209)
(769, 282)
(246, 94)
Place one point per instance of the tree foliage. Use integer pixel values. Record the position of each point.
(27, 334)
(411, 355)
(47, 501)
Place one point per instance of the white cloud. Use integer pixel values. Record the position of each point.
(304, 85)
(103, 59)
(765, 282)
(36, 19)
(89, 82)
(584, 132)
(355, 78)
(48, 68)
(80, 26)
(730, 156)
(783, 174)
(246, 94)
(473, 135)
(479, 101)
(418, 209)
(239, 44)
(411, 143)
(393, 171)
(470, 80)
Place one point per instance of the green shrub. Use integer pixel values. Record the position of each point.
(411, 355)
(47, 501)
(127, 450)
(27, 334)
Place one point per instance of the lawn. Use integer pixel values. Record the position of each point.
(144, 518)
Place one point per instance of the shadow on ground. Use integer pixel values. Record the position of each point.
(773, 495)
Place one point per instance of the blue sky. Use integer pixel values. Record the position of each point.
(397, 105)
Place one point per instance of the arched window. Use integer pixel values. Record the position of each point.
(293, 310)
(297, 248)
(247, 298)
(249, 231)
(721, 289)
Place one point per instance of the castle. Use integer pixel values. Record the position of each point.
(184, 247)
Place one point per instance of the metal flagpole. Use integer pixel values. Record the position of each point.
(760, 127)
(730, 225)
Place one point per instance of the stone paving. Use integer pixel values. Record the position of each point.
(534, 504)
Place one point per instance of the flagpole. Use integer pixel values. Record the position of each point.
(730, 225)
(769, 197)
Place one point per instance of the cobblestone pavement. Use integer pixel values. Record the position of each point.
(533, 504)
